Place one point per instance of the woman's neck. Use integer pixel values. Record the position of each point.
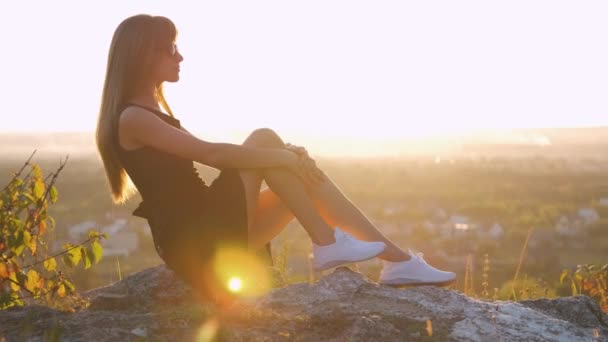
(146, 101)
(146, 98)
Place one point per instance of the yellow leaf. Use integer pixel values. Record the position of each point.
(53, 193)
(50, 285)
(50, 265)
(13, 276)
(97, 251)
(61, 291)
(86, 257)
(565, 273)
(36, 171)
(30, 242)
(27, 237)
(33, 280)
(33, 245)
(74, 255)
(39, 187)
(69, 286)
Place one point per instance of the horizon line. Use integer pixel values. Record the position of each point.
(473, 131)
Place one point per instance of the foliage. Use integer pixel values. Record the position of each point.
(28, 273)
(525, 288)
(590, 280)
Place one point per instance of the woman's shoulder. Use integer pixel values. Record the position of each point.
(134, 113)
(137, 127)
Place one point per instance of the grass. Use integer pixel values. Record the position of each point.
(522, 256)
(118, 269)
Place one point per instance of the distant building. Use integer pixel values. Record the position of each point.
(82, 228)
(120, 243)
(567, 227)
(115, 227)
(588, 215)
(495, 231)
(120, 240)
(458, 225)
(460, 222)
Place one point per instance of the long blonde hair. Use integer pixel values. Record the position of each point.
(134, 50)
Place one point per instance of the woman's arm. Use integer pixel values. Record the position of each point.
(147, 129)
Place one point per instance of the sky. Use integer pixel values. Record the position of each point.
(368, 70)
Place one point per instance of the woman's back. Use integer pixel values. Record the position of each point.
(167, 183)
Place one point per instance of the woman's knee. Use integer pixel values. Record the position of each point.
(264, 137)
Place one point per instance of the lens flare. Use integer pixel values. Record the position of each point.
(242, 271)
(235, 284)
(208, 331)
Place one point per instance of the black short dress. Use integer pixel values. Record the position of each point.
(188, 218)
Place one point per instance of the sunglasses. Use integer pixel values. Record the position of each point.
(171, 51)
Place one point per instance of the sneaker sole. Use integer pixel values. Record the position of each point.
(400, 282)
(337, 263)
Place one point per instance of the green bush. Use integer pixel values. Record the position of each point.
(28, 272)
(590, 280)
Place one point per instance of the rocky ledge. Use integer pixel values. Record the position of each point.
(153, 305)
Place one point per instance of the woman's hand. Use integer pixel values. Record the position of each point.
(299, 150)
(307, 167)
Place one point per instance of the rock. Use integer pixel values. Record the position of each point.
(142, 332)
(341, 306)
(580, 310)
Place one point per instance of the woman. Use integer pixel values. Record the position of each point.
(190, 219)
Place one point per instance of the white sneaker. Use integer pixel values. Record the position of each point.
(413, 272)
(345, 250)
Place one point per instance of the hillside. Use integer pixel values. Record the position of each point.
(341, 306)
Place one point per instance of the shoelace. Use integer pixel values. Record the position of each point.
(418, 256)
(345, 239)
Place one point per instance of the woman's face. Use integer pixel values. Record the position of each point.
(167, 68)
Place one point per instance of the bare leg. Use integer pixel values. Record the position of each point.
(338, 210)
(271, 217)
(335, 208)
(291, 190)
(294, 194)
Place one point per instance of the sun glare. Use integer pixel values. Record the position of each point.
(242, 272)
(235, 284)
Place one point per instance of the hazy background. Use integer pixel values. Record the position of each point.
(342, 77)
